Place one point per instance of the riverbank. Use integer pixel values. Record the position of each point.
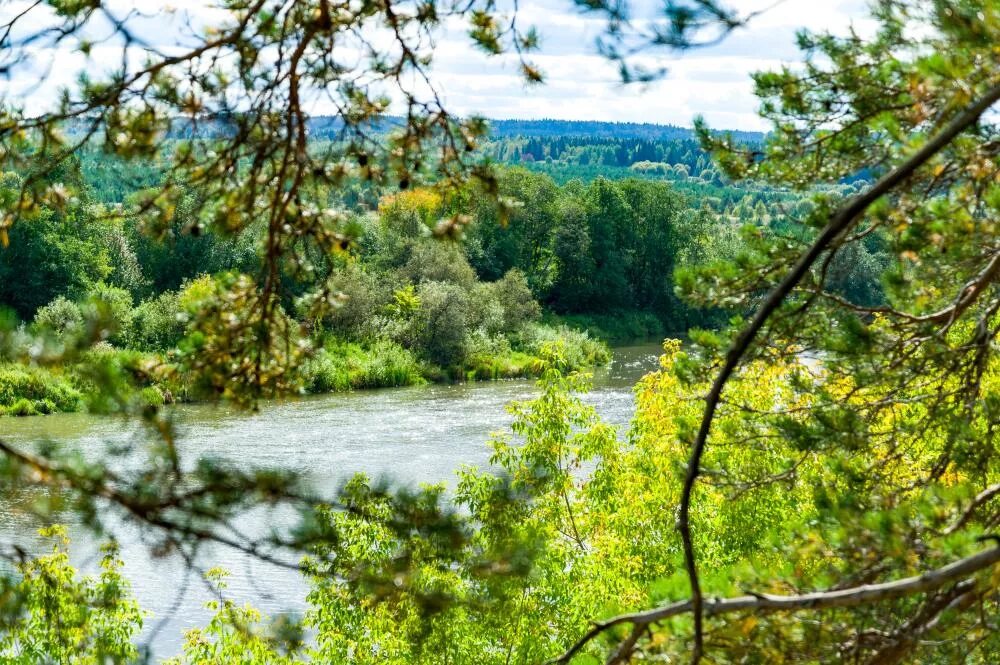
(340, 365)
(337, 366)
(414, 435)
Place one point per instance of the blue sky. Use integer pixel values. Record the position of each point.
(580, 84)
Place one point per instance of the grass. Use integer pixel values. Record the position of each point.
(28, 391)
(339, 366)
(342, 366)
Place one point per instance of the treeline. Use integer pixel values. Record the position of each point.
(604, 151)
(597, 255)
(413, 311)
(599, 129)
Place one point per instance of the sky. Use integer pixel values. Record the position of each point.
(580, 84)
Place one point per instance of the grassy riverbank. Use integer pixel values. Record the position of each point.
(340, 365)
(336, 366)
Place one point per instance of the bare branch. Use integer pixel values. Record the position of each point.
(866, 594)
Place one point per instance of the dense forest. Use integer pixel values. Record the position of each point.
(585, 260)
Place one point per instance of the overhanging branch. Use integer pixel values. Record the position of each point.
(841, 222)
(866, 594)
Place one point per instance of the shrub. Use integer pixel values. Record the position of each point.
(342, 366)
(388, 365)
(486, 313)
(152, 396)
(327, 372)
(112, 306)
(159, 324)
(61, 316)
(617, 327)
(579, 349)
(44, 406)
(515, 298)
(513, 365)
(443, 322)
(22, 407)
(437, 261)
(43, 390)
(365, 295)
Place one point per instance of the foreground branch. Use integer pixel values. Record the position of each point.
(821, 600)
(841, 222)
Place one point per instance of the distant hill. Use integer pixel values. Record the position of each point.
(598, 129)
(327, 127)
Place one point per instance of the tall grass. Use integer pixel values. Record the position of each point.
(28, 391)
(343, 366)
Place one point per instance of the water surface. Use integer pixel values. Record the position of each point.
(412, 435)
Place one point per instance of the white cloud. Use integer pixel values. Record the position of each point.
(580, 84)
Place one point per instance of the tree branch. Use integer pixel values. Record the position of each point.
(865, 594)
(842, 221)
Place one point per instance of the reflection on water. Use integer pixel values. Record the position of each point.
(412, 435)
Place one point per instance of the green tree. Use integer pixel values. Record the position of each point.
(53, 253)
(833, 457)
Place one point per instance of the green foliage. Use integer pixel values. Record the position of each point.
(183, 250)
(432, 261)
(343, 366)
(577, 348)
(842, 439)
(362, 296)
(62, 619)
(159, 323)
(27, 390)
(54, 253)
(113, 305)
(616, 327)
(441, 323)
(61, 316)
(515, 301)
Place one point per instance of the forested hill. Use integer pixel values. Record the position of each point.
(597, 129)
(328, 127)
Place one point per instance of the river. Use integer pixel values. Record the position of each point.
(412, 435)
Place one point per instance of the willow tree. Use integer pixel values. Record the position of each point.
(871, 439)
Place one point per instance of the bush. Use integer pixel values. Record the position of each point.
(486, 313)
(159, 324)
(388, 366)
(342, 366)
(616, 327)
(491, 358)
(365, 295)
(61, 316)
(112, 306)
(515, 298)
(22, 407)
(579, 348)
(443, 322)
(44, 391)
(152, 396)
(327, 372)
(437, 261)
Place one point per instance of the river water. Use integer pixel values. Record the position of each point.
(411, 435)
